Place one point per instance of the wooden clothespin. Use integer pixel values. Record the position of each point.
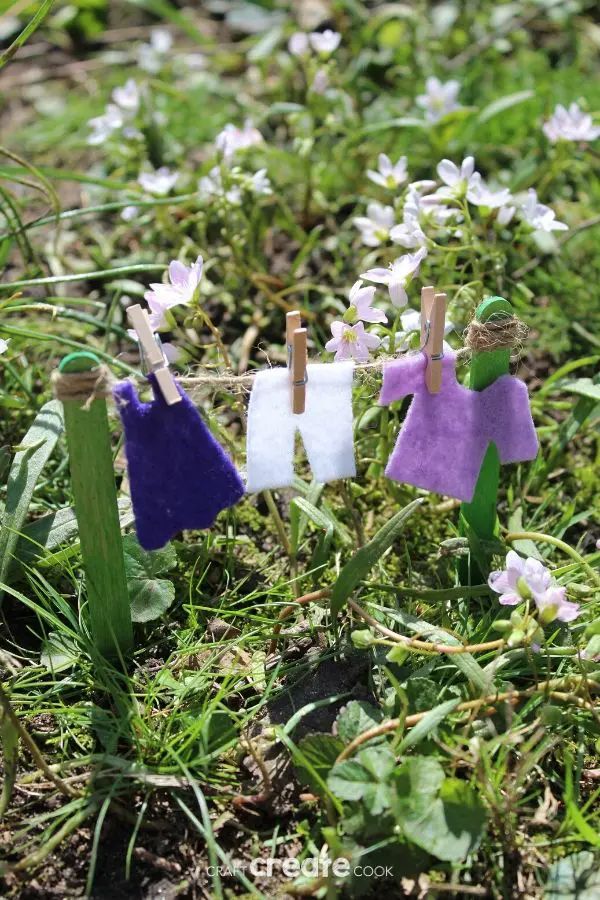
(433, 321)
(296, 338)
(153, 354)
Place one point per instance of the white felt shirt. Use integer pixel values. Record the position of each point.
(326, 426)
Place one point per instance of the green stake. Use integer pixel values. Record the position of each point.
(95, 496)
(480, 515)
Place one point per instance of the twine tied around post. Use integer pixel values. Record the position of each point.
(499, 333)
(83, 387)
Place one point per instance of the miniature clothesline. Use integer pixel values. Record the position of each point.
(508, 332)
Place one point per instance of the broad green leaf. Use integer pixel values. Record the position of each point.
(422, 693)
(318, 753)
(364, 559)
(502, 104)
(427, 724)
(419, 775)
(149, 595)
(449, 825)
(30, 459)
(59, 652)
(355, 718)
(585, 387)
(366, 778)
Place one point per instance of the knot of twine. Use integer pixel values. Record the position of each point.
(83, 387)
(497, 333)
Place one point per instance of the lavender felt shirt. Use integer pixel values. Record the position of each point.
(179, 476)
(445, 435)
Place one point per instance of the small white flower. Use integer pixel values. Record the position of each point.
(194, 61)
(505, 215)
(361, 306)
(129, 213)
(104, 126)
(231, 138)
(211, 185)
(410, 322)
(151, 57)
(398, 276)
(421, 187)
(260, 184)
(389, 175)
(172, 353)
(376, 225)
(351, 341)
(439, 99)
(538, 216)
(298, 44)
(457, 181)
(320, 82)
(158, 183)
(409, 233)
(570, 124)
(324, 42)
(183, 287)
(161, 40)
(479, 194)
(3, 345)
(127, 97)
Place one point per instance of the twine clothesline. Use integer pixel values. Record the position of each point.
(495, 334)
(506, 332)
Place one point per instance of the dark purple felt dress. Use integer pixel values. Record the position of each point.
(179, 476)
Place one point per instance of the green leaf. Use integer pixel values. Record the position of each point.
(502, 104)
(427, 724)
(27, 465)
(315, 759)
(587, 831)
(585, 387)
(355, 718)
(365, 778)
(364, 559)
(59, 652)
(575, 877)
(443, 816)
(149, 596)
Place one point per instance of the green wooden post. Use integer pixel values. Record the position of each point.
(480, 515)
(95, 495)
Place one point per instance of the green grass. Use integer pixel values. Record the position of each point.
(213, 746)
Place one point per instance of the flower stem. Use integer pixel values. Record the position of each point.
(218, 339)
(510, 696)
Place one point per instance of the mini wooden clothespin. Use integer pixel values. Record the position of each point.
(433, 321)
(153, 354)
(296, 338)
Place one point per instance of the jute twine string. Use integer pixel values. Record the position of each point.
(497, 333)
(83, 387)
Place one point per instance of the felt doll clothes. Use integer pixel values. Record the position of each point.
(179, 476)
(444, 438)
(326, 426)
